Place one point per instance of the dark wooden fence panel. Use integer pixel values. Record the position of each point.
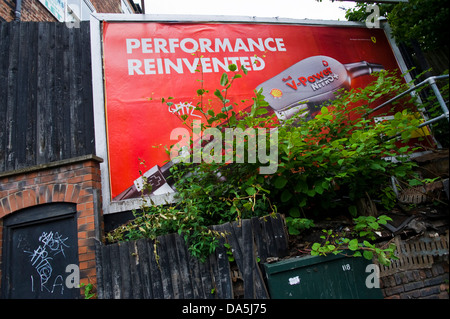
(131, 269)
(438, 60)
(46, 111)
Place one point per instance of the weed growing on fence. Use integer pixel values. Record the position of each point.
(88, 294)
(324, 163)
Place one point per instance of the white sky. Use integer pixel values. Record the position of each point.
(295, 9)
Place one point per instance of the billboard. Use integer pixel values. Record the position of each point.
(147, 61)
(56, 7)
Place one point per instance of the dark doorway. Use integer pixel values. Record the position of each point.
(38, 245)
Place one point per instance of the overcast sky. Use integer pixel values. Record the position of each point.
(296, 9)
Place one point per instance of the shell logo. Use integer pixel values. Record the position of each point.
(276, 93)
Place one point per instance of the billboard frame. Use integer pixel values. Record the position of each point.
(98, 84)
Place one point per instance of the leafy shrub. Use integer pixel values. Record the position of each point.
(341, 153)
(336, 243)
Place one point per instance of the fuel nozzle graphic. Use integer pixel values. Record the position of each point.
(308, 84)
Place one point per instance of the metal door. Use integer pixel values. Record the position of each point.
(38, 245)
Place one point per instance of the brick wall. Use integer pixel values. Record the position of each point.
(32, 10)
(75, 181)
(7, 10)
(429, 283)
(107, 6)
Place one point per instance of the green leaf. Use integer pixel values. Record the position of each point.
(303, 202)
(383, 219)
(286, 196)
(294, 212)
(261, 111)
(415, 182)
(248, 205)
(403, 149)
(301, 186)
(384, 260)
(406, 135)
(318, 190)
(232, 120)
(280, 182)
(374, 225)
(293, 231)
(227, 108)
(311, 192)
(353, 244)
(232, 67)
(224, 79)
(398, 116)
(377, 166)
(370, 219)
(250, 191)
(368, 254)
(367, 244)
(363, 233)
(218, 94)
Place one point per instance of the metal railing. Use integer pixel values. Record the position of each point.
(432, 82)
(445, 114)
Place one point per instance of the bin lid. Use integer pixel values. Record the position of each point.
(299, 262)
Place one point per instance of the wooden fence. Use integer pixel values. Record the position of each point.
(130, 270)
(46, 111)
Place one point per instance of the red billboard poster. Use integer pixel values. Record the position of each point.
(147, 61)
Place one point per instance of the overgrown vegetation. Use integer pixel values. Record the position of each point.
(328, 163)
(359, 245)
